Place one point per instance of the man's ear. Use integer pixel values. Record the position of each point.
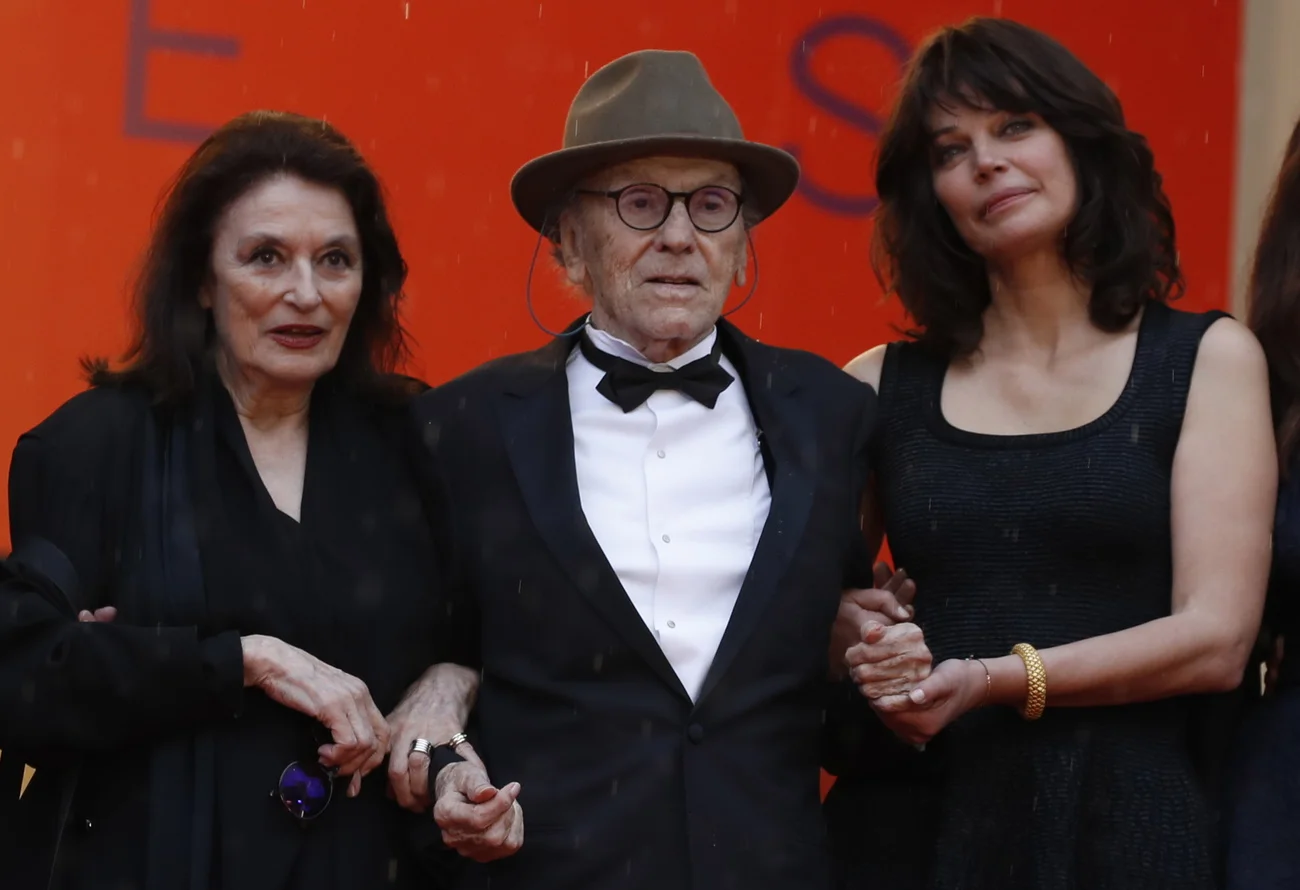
(742, 265)
(569, 247)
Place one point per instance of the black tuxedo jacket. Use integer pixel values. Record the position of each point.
(625, 782)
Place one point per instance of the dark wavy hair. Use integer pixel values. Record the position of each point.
(174, 333)
(1274, 313)
(1121, 238)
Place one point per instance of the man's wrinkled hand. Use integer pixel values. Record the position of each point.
(889, 661)
(424, 713)
(478, 820)
(886, 604)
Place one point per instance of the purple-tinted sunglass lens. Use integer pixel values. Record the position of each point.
(305, 789)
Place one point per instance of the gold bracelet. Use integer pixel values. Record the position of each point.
(1036, 695)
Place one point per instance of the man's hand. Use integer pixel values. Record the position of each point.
(886, 604)
(890, 661)
(434, 708)
(478, 820)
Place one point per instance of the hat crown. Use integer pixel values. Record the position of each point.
(648, 104)
(647, 94)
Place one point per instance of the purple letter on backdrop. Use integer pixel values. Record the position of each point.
(856, 116)
(143, 40)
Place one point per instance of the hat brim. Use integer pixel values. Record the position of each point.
(770, 174)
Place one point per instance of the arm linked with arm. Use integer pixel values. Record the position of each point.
(437, 705)
(67, 685)
(855, 741)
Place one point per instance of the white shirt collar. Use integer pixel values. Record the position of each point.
(608, 343)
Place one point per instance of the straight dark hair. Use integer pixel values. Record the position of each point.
(174, 333)
(1274, 314)
(1121, 238)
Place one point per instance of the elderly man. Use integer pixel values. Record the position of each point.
(650, 522)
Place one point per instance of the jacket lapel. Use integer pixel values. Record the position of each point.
(787, 427)
(538, 430)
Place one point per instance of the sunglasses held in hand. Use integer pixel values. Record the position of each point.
(307, 787)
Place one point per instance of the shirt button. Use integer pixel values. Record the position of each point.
(672, 624)
(695, 733)
(667, 539)
(661, 453)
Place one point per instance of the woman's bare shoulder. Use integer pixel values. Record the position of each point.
(868, 366)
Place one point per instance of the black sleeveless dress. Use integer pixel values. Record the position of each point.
(1047, 539)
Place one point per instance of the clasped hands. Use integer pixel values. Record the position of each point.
(886, 656)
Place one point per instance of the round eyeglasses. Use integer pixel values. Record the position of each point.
(306, 789)
(645, 206)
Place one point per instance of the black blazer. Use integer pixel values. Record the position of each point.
(625, 782)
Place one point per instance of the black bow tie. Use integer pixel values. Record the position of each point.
(628, 384)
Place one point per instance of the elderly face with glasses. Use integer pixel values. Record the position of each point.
(657, 245)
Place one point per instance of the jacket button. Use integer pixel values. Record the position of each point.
(88, 825)
(695, 733)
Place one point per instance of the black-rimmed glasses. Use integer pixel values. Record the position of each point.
(645, 206)
(306, 787)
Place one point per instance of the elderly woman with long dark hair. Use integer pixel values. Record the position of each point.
(238, 511)
(1078, 477)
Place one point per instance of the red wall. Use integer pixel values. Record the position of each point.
(103, 100)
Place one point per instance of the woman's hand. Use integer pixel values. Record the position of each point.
(953, 688)
(339, 701)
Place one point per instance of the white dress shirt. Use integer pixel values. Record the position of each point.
(676, 495)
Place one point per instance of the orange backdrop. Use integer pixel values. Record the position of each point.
(103, 100)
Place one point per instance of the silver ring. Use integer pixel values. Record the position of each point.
(422, 746)
(458, 739)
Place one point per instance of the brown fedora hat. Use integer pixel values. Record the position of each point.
(648, 103)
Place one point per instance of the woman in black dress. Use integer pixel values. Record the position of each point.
(1263, 853)
(239, 513)
(1061, 461)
